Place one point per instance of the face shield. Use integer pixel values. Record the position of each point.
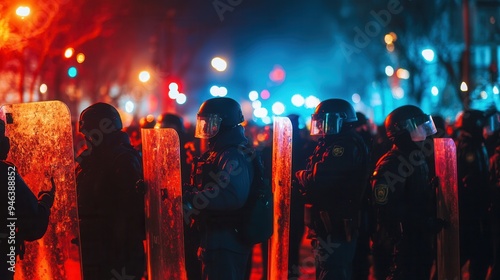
(324, 124)
(207, 126)
(420, 127)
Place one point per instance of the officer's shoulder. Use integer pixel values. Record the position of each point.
(235, 152)
(123, 152)
(387, 161)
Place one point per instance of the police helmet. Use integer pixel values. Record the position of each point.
(217, 114)
(470, 120)
(100, 116)
(411, 119)
(330, 115)
(168, 120)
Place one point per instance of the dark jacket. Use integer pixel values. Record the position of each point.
(223, 189)
(403, 205)
(111, 210)
(32, 217)
(337, 178)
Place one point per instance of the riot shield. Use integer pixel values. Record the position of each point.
(281, 184)
(42, 148)
(448, 246)
(163, 201)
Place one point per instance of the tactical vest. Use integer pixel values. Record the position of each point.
(337, 211)
(205, 172)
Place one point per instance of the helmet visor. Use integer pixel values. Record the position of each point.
(324, 124)
(207, 126)
(421, 127)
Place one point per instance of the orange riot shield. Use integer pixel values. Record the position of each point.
(448, 246)
(42, 148)
(281, 183)
(163, 202)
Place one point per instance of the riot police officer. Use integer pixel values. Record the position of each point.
(221, 177)
(333, 183)
(403, 199)
(473, 193)
(31, 213)
(110, 209)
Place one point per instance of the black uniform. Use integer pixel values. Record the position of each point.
(221, 185)
(224, 176)
(110, 208)
(32, 218)
(474, 202)
(403, 199)
(495, 212)
(402, 243)
(334, 187)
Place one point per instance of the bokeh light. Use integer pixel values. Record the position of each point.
(298, 100)
(278, 108)
(43, 88)
(129, 106)
(256, 104)
(428, 55)
(80, 58)
(23, 11)
(389, 71)
(278, 74)
(144, 76)
(265, 94)
(403, 74)
(260, 112)
(69, 52)
(435, 91)
(219, 64)
(464, 87)
(398, 93)
(72, 72)
(312, 101)
(356, 98)
(181, 98)
(253, 95)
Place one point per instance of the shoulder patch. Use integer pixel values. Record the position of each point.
(381, 192)
(337, 151)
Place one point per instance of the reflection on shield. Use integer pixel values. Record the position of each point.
(41, 148)
(163, 202)
(448, 246)
(281, 183)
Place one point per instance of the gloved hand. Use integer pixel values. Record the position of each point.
(46, 198)
(302, 177)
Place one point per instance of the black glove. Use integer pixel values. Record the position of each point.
(46, 198)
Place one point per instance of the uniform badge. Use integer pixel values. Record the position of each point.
(381, 192)
(338, 151)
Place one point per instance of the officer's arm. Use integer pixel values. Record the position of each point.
(32, 215)
(129, 200)
(388, 201)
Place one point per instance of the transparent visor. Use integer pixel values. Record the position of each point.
(421, 127)
(325, 124)
(207, 126)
